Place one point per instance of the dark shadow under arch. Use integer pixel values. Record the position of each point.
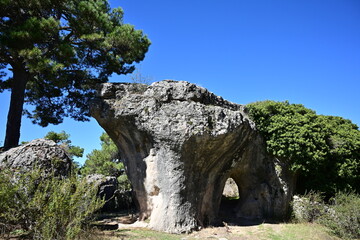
(229, 206)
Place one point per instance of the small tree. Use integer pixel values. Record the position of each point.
(138, 77)
(57, 52)
(106, 161)
(62, 138)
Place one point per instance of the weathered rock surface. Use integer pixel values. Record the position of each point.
(180, 144)
(41, 154)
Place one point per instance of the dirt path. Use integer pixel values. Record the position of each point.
(248, 230)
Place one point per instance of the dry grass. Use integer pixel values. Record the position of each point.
(257, 232)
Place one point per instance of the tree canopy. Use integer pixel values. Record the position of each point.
(323, 151)
(62, 138)
(104, 161)
(57, 52)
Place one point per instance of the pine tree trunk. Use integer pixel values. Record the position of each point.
(20, 77)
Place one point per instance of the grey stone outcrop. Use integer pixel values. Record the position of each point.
(41, 154)
(115, 199)
(180, 143)
(107, 189)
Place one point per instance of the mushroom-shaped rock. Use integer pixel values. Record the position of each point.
(180, 143)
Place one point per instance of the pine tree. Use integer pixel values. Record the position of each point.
(62, 139)
(57, 52)
(104, 161)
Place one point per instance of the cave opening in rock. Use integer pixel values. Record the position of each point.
(229, 201)
(231, 190)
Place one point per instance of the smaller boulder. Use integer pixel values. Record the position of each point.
(41, 154)
(109, 191)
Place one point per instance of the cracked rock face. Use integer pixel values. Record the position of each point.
(180, 143)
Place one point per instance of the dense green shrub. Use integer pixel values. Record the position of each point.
(62, 138)
(341, 214)
(343, 217)
(308, 208)
(50, 208)
(322, 151)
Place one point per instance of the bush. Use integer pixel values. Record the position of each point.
(344, 217)
(341, 215)
(50, 208)
(308, 208)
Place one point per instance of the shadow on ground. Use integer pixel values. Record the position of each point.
(227, 215)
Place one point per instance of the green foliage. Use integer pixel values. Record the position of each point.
(344, 216)
(124, 183)
(58, 51)
(59, 42)
(62, 138)
(308, 208)
(50, 208)
(323, 151)
(278, 231)
(341, 215)
(106, 161)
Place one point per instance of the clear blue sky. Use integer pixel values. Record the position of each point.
(303, 51)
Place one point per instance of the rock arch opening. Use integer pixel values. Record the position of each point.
(231, 190)
(230, 199)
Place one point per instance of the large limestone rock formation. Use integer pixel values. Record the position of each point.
(180, 144)
(41, 154)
